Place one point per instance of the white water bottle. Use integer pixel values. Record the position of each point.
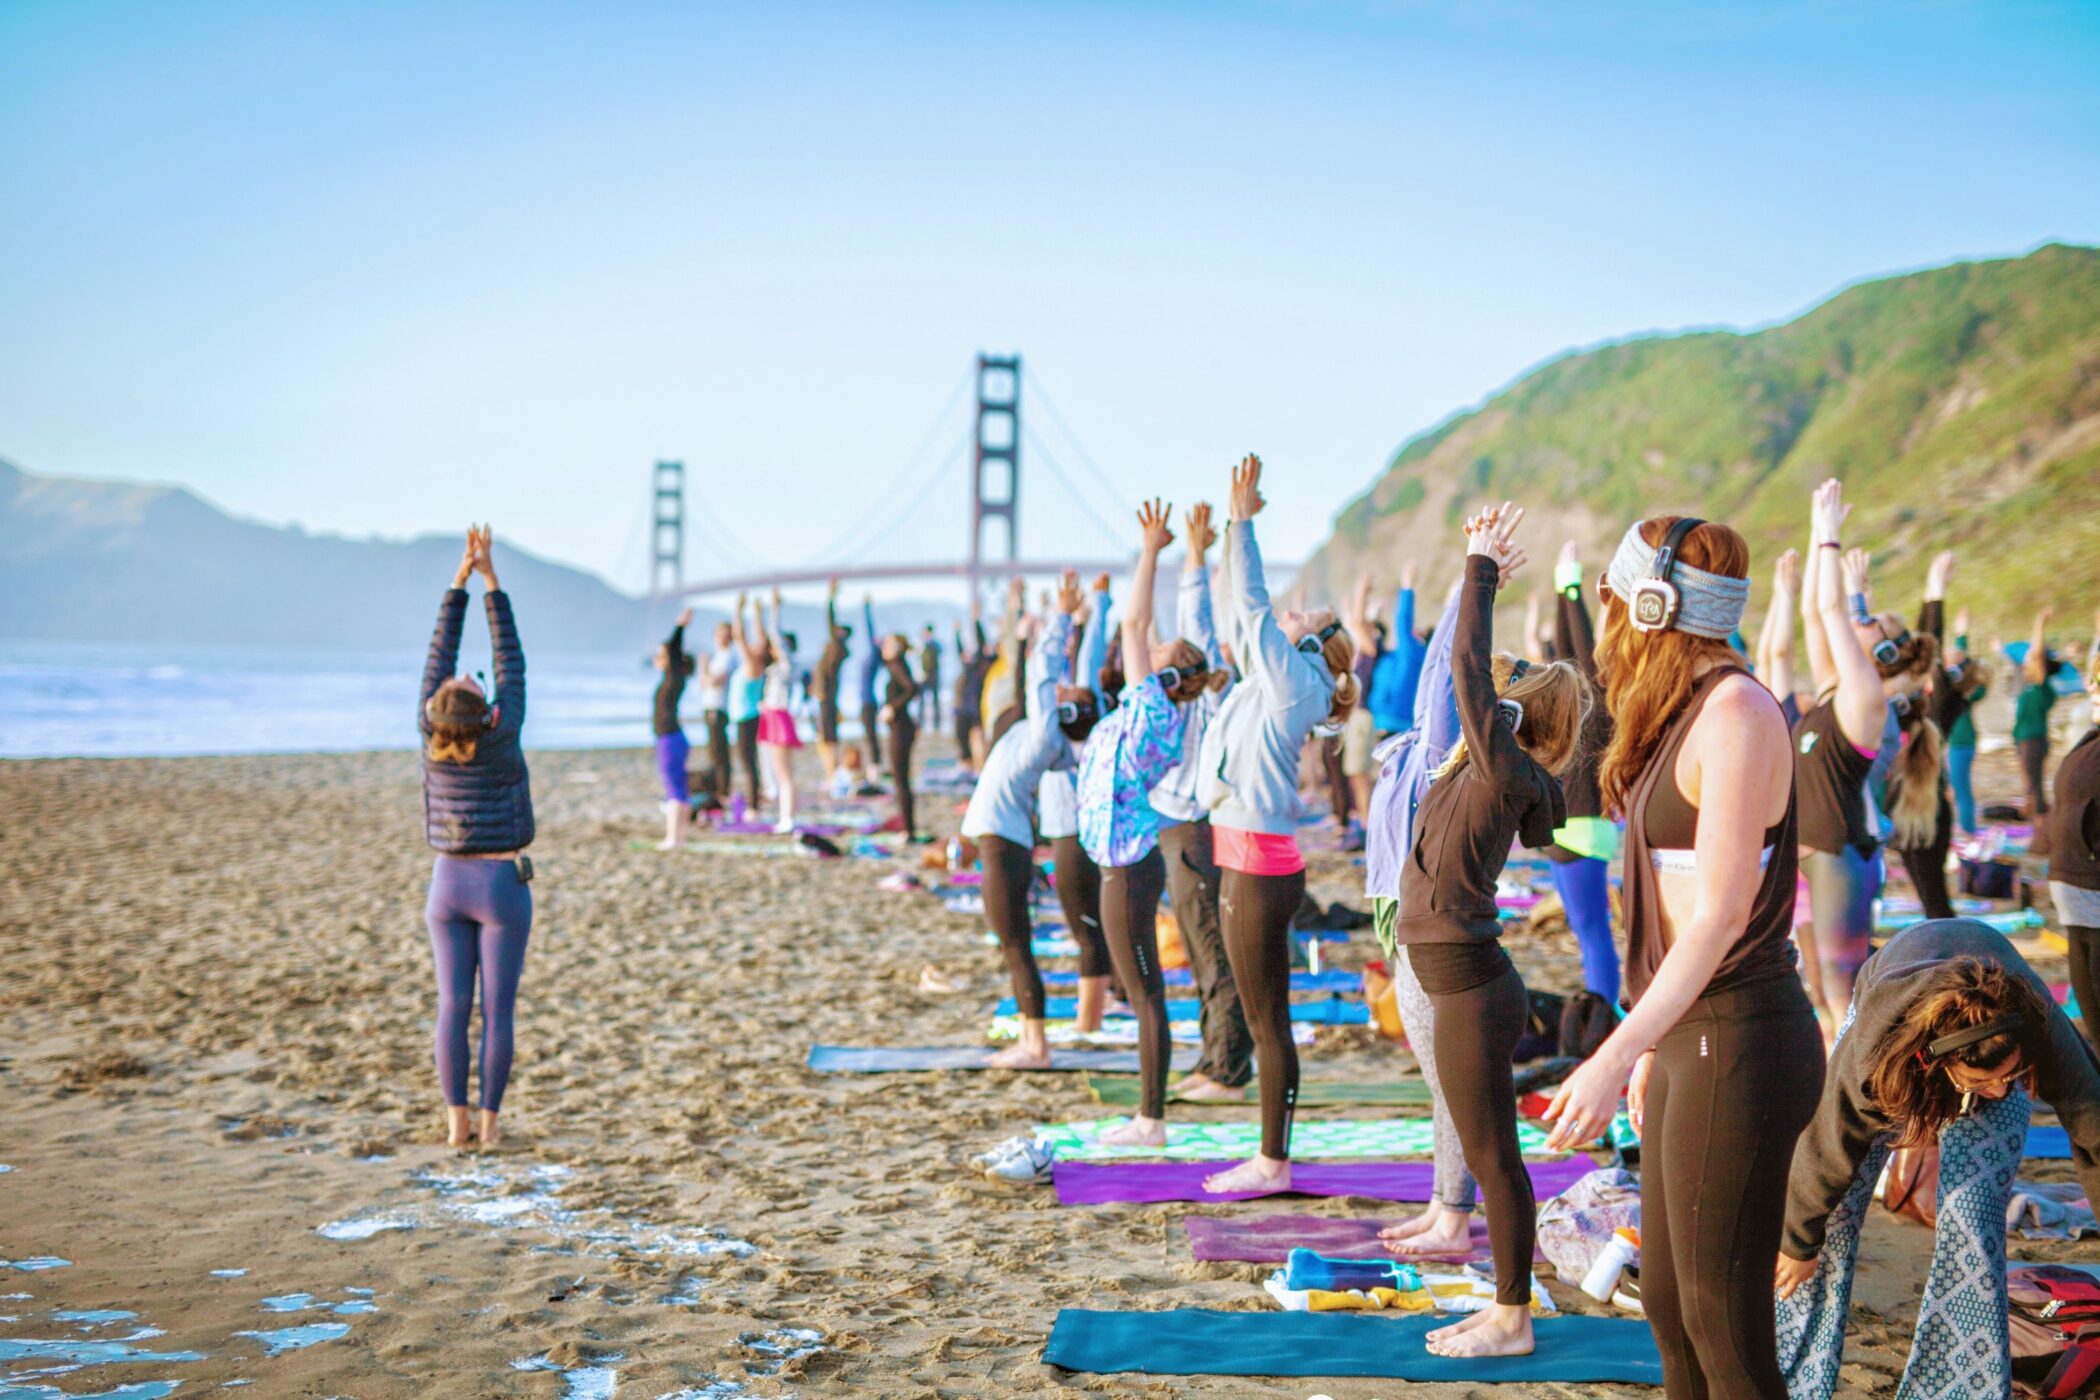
(1619, 1253)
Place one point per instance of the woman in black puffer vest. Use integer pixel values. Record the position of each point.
(477, 815)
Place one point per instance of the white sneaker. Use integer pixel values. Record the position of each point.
(783, 828)
(989, 1157)
(1028, 1167)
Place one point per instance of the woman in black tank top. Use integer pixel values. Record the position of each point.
(1720, 1044)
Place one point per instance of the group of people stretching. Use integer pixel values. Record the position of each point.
(748, 688)
(1152, 765)
(1654, 743)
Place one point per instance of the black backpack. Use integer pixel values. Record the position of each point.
(1585, 1022)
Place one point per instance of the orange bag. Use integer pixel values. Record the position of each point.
(1384, 1000)
(1172, 951)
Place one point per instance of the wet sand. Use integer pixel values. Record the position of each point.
(215, 1040)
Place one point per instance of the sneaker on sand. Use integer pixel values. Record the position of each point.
(1028, 1167)
(1017, 1143)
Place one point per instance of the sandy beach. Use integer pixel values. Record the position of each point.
(217, 1107)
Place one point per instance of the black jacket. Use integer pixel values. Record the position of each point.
(485, 804)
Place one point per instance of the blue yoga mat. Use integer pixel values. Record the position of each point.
(925, 1059)
(1332, 980)
(1201, 1342)
(2047, 1141)
(1331, 1012)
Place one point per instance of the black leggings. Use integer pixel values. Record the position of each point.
(1192, 883)
(747, 756)
(1338, 792)
(1928, 871)
(1481, 1011)
(2085, 953)
(903, 733)
(1079, 895)
(1008, 871)
(871, 736)
(2034, 756)
(1130, 919)
(718, 754)
(1734, 1083)
(1256, 912)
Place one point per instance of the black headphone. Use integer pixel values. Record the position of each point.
(1961, 1040)
(1312, 642)
(1172, 678)
(1072, 711)
(1655, 602)
(1888, 649)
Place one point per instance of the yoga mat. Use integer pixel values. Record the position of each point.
(2047, 1141)
(1201, 1342)
(1312, 1093)
(1100, 1183)
(2011, 921)
(1121, 1030)
(887, 1059)
(1051, 944)
(1333, 980)
(1328, 1012)
(1269, 1239)
(1382, 1138)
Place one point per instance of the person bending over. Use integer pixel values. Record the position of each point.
(2074, 859)
(1949, 1038)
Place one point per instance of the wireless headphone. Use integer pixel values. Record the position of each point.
(488, 714)
(1888, 649)
(1070, 712)
(1174, 677)
(1655, 602)
(1312, 642)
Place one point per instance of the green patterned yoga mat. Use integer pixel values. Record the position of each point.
(1310, 1139)
(1121, 1031)
(1121, 1091)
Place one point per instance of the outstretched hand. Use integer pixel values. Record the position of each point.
(1246, 500)
(1201, 535)
(685, 617)
(1827, 512)
(1068, 596)
(1786, 573)
(1489, 534)
(483, 543)
(466, 558)
(1154, 526)
(1859, 570)
(1937, 575)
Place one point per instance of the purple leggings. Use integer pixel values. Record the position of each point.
(480, 916)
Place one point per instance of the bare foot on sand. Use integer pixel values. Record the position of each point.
(1138, 1132)
(1257, 1173)
(1022, 1056)
(490, 1133)
(1501, 1329)
(459, 1126)
(1201, 1088)
(1448, 1236)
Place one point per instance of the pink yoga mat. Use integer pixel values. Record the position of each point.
(1269, 1239)
(1098, 1183)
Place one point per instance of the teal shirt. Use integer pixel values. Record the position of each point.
(2031, 712)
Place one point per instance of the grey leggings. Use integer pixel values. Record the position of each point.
(1454, 1184)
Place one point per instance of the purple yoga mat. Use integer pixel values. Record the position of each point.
(1098, 1183)
(1269, 1239)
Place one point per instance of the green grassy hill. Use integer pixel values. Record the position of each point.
(1961, 406)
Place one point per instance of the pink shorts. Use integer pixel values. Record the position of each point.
(777, 727)
(1256, 852)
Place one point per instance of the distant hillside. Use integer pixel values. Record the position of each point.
(102, 561)
(1960, 405)
(110, 561)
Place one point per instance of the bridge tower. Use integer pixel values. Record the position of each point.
(995, 482)
(667, 532)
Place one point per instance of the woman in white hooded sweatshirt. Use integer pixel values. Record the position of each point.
(1298, 674)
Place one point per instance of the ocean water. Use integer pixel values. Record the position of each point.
(68, 700)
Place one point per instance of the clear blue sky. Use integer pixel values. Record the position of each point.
(384, 268)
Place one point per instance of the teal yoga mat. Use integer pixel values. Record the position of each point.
(1332, 1011)
(1201, 1342)
(1312, 1139)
